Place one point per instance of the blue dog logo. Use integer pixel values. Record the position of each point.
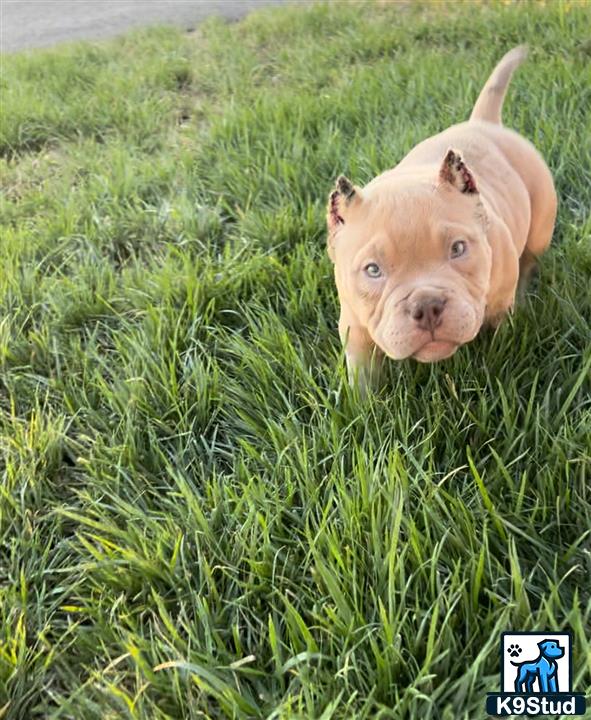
(536, 687)
(544, 669)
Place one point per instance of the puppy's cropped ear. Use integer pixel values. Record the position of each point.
(340, 201)
(454, 171)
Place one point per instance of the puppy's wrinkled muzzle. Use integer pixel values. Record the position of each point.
(428, 325)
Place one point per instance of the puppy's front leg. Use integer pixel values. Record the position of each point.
(504, 274)
(364, 359)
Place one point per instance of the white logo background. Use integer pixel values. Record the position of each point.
(530, 652)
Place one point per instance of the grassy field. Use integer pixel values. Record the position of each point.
(198, 517)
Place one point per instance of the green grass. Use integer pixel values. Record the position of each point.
(198, 517)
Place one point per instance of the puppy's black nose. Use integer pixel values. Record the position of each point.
(427, 313)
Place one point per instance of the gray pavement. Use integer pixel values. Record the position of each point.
(40, 23)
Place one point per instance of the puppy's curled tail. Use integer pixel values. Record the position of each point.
(490, 101)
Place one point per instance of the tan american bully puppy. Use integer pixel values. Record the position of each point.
(429, 251)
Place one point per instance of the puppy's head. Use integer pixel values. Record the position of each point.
(412, 259)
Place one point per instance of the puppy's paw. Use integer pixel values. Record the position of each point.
(364, 376)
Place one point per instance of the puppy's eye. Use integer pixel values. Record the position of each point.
(458, 248)
(372, 270)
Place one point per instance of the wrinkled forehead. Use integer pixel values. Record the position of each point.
(411, 221)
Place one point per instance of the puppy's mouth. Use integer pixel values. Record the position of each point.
(400, 337)
(435, 350)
